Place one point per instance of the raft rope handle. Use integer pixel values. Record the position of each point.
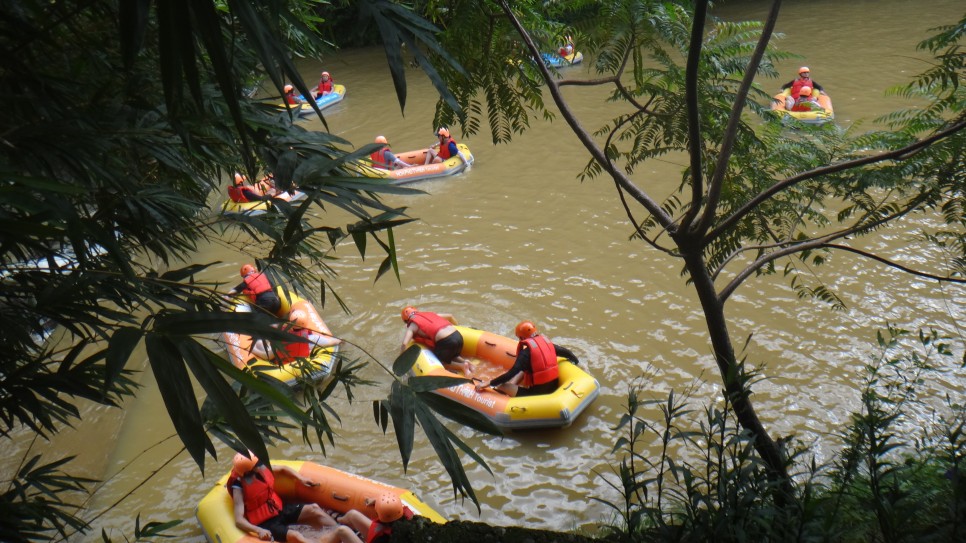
(340, 497)
(518, 409)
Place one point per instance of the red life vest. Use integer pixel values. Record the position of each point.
(291, 98)
(261, 500)
(325, 86)
(295, 349)
(798, 84)
(378, 529)
(380, 160)
(237, 194)
(543, 361)
(257, 283)
(444, 148)
(428, 325)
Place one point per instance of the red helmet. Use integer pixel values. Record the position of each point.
(389, 508)
(247, 269)
(382, 139)
(408, 312)
(443, 132)
(526, 329)
(242, 463)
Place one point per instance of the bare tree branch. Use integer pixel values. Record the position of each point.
(897, 154)
(694, 113)
(582, 134)
(734, 120)
(896, 265)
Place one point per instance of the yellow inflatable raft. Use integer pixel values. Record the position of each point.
(820, 115)
(576, 392)
(337, 490)
(321, 360)
(419, 172)
(259, 207)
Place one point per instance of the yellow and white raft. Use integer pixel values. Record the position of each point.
(577, 390)
(337, 490)
(820, 115)
(451, 166)
(259, 207)
(320, 362)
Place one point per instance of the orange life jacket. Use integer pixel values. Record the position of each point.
(543, 361)
(444, 148)
(427, 326)
(237, 194)
(798, 84)
(380, 160)
(325, 86)
(295, 349)
(257, 283)
(261, 501)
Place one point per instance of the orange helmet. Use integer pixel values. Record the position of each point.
(247, 269)
(408, 312)
(803, 70)
(443, 132)
(242, 463)
(382, 139)
(526, 329)
(389, 508)
(805, 91)
(288, 88)
(239, 178)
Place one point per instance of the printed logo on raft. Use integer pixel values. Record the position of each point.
(469, 391)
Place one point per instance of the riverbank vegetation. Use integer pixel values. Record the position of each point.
(124, 119)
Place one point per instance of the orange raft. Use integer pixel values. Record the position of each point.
(576, 392)
(320, 361)
(451, 166)
(337, 490)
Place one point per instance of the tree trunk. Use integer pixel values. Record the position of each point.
(738, 394)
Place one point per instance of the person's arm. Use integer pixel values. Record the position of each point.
(408, 336)
(280, 470)
(252, 195)
(566, 353)
(241, 522)
(455, 150)
(815, 85)
(323, 340)
(238, 288)
(788, 85)
(396, 161)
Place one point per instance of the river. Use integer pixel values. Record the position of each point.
(519, 236)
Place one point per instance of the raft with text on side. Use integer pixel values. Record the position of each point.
(320, 362)
(577, 390)
(557, 61)
(419, 172)
(820, 115)
(337, 490)
(259, 207)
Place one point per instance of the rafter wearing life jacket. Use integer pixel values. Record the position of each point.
(261, 500)
(543, 361)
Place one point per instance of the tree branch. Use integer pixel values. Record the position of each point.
(900, 154)
(734, 120)
(694, 113)
(595, 151)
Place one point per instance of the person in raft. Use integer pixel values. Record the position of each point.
(444, 149)
(384, 159)
(535, 369)
(805, 101)
(290, 97)
(239, 192)
(568, 48)
(804, 79)
(435, 331)
(325, 85)
(258, 508)
(258, 288)
(389, 510)
(316, 334)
